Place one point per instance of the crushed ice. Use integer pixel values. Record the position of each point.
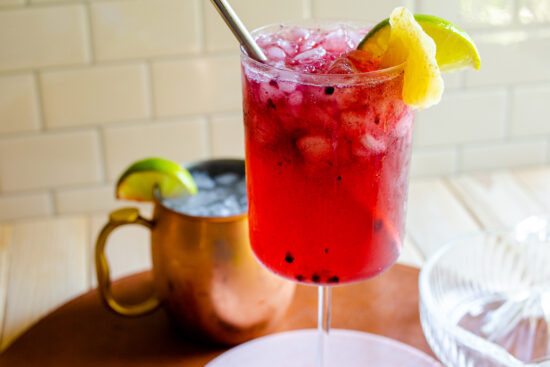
(221, 196)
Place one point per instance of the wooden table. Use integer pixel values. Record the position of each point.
(83, 333)
(45, 262)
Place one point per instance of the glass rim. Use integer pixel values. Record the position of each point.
(375, 76)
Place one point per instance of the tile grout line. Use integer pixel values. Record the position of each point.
(307, 9)
(208, 133)
(152, 110)
(89, 35)
(102, 155)
(89, 252)
(515, 13)
(38, 100)
(459, 149)
(200, 27)
(76, 66)
(508, 113)
(413, 5)
(50, 193)
(456, 160)
(114, 124)
(51, 202)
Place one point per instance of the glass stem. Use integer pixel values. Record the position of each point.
(323, 323)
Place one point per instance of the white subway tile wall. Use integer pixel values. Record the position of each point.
(196, 85)
(47, 161)
(145, 28)
(533, 11)
(93, 95)
(181, 140)
(462, 117)
(87, 87)
(227, 136)
(372, 11)
(6, 3)
(505, 154)
(34, 37)
(25, 205)
(527, 119)
(18, 107)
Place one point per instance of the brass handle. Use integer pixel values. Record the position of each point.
(119, 218)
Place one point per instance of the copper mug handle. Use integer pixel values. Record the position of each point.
(119, 218)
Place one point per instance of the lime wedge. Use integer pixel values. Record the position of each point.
(428, 45)
(455, 50)
(138, 181)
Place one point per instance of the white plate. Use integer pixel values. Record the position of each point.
(345, 348)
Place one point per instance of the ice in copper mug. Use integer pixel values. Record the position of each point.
(205, 274)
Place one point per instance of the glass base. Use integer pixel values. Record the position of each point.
(345, 348)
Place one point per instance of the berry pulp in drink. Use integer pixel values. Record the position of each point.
(328, 142)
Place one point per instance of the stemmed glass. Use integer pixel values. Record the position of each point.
(327, 160)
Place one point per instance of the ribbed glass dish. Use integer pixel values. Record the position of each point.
(485, 299)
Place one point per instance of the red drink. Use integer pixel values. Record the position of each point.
(327, 158)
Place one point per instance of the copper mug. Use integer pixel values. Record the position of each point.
(204, 272)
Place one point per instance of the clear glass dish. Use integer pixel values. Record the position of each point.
(485, 298)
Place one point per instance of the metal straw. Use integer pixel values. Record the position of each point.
(239, 30)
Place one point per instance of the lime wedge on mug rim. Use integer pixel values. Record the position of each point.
(139, 180)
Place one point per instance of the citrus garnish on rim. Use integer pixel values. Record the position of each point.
(428, 44)
(139, 180)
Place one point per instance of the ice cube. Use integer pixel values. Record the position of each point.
(315, 148)
(307, 45)
(295, 99)
(264, 40)
(342, 65)
(269, 91)
(290, 48)
(299, 33)
(203, 180)
(348, 97)
(218, 210)
(403, 124)
(367, 145)
(241, 187)
(286, 86)
(226, 179)
(274, 53)
(223, 199)
(232, 204)
(354, 121)
(263, 129)
(310, 56)
(335, 41)
(354, 36)
(279, 64)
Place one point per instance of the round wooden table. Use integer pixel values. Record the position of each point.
(84, 333)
